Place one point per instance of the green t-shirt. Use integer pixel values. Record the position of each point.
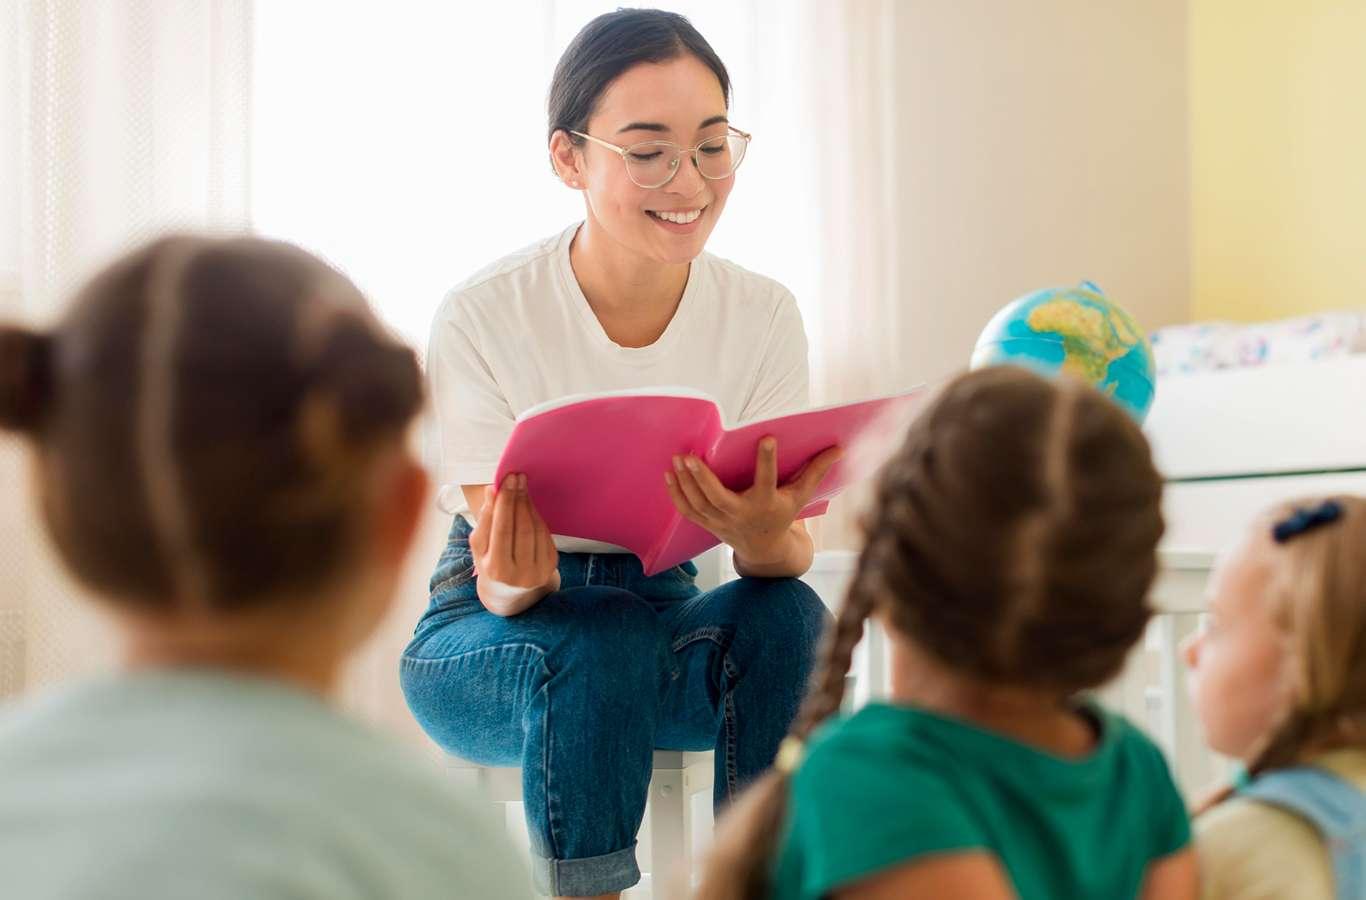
(892, 783)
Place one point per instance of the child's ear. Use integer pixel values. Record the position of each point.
(565, 159)
(402, 514)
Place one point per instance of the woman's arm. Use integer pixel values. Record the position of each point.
(514, 553)
(760, 524)
(791, 558)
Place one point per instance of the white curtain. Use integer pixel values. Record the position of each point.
(407, 148)
(428, 162)
(118, 119)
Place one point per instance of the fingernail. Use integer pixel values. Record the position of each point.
(669, 479)
(769, 444)
(678, 464)
(692, 464)
(510, 482)
(521, 482)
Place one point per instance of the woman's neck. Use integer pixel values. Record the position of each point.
(624, 288)
(1038, 718)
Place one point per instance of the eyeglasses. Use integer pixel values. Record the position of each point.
(653, 164)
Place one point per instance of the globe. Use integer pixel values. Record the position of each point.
(1075, 331)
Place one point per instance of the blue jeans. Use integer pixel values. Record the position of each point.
(580, 690)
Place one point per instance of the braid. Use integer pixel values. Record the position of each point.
(987, 533)
(836, 655)
(161, 468)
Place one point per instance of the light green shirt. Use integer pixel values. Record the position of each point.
(893, 783)
(205, 785)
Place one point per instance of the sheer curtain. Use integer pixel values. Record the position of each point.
(404, 142)
(410, 151)
(117, 119)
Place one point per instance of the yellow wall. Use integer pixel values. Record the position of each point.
(1278, 156)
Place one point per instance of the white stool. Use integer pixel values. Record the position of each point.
(678, 776)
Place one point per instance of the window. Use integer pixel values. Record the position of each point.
(405, 141)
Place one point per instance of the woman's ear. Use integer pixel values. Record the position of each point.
(566, 160)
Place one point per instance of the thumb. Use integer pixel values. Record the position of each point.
(815, 471)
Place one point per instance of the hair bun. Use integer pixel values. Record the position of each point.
(25, 377)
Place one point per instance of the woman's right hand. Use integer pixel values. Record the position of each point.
(514, 554)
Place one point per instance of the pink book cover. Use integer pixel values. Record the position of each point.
(595, 463)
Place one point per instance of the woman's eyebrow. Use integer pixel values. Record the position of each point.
(659, 126)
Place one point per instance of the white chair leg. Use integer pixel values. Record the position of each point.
(670, 829)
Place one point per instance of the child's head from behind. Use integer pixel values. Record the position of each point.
(1012, 539)
(1013, 536)
(218, 429)
(1279, 670)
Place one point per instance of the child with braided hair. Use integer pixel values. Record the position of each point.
(1009, 552)
(1279, 683)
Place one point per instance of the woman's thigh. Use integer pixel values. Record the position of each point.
(584, 658)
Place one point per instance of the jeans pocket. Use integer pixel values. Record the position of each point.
(685, 571)
(452, 572)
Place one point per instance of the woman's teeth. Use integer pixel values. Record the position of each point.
(678, 218)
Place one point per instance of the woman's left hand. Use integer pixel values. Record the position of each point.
(756, 523)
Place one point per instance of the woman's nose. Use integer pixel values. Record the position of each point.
(687, 181)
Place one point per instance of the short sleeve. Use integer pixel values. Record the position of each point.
(1248, 850)
(783, 383)
(1171, 822)
(853, 815)
(473, 419)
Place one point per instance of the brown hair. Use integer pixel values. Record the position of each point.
(1318, 592)
(1013, 537)
(202, 420)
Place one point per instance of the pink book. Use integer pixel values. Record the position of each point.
(595, 463)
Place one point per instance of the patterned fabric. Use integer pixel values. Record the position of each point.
(1204, 346)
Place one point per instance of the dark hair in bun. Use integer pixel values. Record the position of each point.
(222, 403)
(25, 378)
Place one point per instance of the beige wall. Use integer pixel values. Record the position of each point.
(1042, 143)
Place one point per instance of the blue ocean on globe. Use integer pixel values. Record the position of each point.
(1077, 331)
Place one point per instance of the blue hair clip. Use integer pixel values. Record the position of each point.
(1302, 520)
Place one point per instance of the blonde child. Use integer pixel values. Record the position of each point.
(218, 432)
(1009, 552)
(1279, 682)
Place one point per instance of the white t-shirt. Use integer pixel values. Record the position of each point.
(521, 332)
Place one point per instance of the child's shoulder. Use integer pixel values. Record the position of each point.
(873, 758)
(864, 799)
(1248, 848)
(1269, 840)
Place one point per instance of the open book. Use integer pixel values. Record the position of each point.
(595, 463)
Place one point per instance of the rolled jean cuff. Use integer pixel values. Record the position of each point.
(585, 877)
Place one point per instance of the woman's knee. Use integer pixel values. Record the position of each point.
(785, 611)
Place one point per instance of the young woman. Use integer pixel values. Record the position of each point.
(559, 655)
(219, 442)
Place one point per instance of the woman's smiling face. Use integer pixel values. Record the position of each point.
(680, 101)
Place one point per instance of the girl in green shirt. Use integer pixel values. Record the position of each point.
(1009, 552)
